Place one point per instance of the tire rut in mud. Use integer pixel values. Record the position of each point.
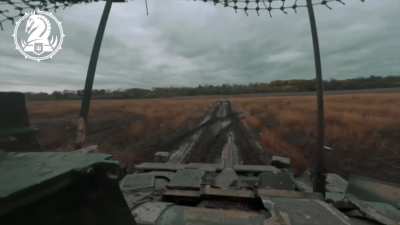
(219, 133)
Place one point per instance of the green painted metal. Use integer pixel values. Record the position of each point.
(61, 188)
(319, 167)
(17, 131)
(179, 215)
(93, 61)
(22, 171)
(187, 178)
(308, 212)
(14, 122)
(370, 189)
(282, 180)
(378, 211)
(156, 197)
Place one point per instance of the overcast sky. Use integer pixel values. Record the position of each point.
(186, 43)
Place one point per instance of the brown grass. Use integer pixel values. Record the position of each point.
(132, 130)
(364, 130)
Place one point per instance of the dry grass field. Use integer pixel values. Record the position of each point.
(363, 129)
(132, 130)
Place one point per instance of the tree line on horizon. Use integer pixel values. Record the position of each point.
(277, 86)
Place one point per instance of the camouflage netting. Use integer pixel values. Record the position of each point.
(11, 10)
(268, 6)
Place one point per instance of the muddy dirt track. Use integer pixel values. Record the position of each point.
(219, 138)
(362, 129)
(216, 135)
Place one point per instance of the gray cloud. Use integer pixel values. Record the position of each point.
(185, 43)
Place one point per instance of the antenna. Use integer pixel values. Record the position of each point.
(147, 7)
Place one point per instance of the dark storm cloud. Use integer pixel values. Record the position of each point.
(190, 43)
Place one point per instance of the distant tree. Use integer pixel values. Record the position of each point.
(296, 85)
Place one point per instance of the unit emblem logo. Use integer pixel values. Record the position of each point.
(38, 35)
